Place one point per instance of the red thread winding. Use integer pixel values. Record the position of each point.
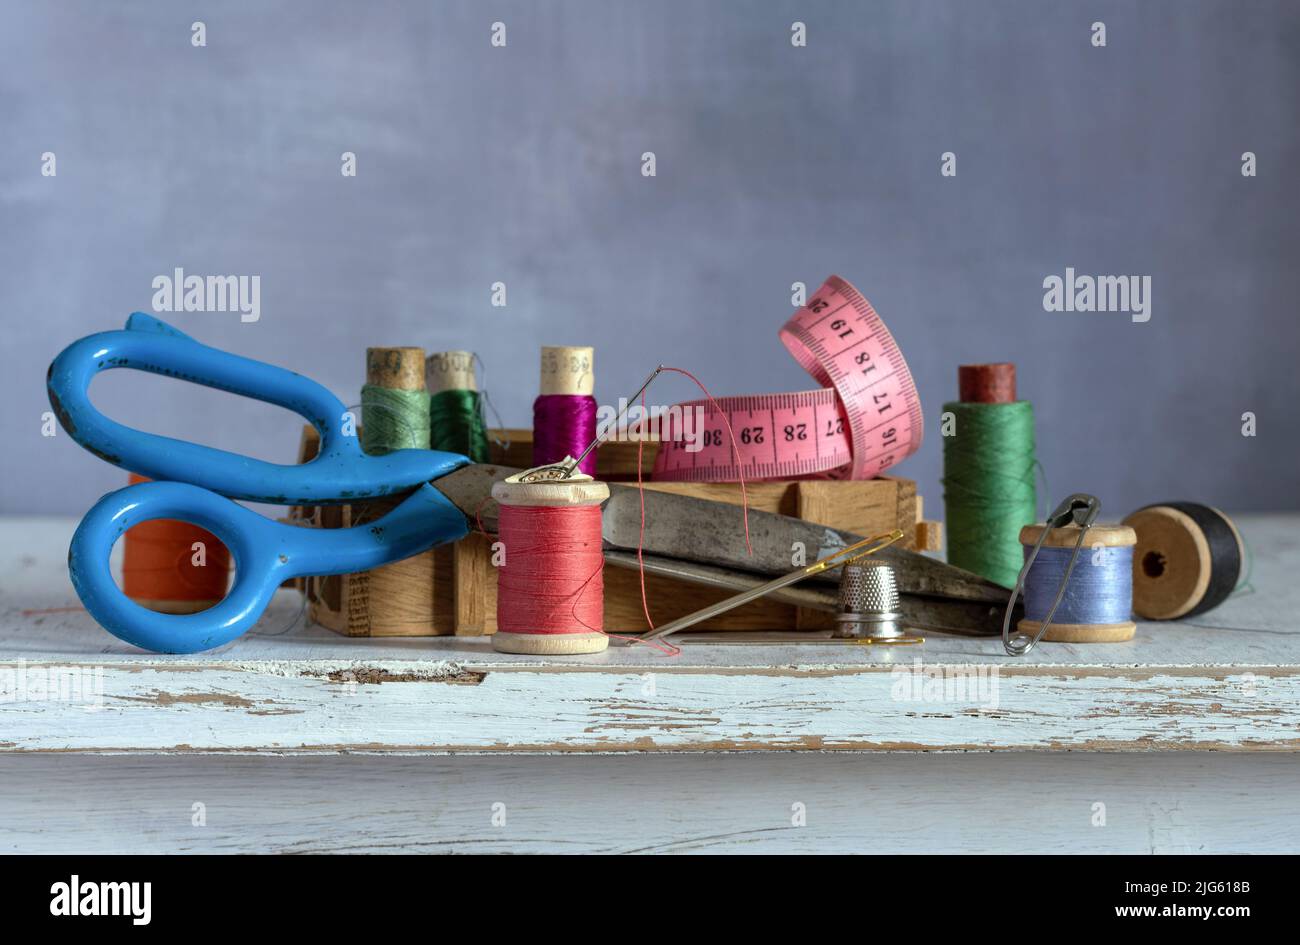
(552, 581)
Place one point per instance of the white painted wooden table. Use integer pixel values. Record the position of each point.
(296, 739)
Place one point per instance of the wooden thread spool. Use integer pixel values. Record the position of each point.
(1188, 559)
(564, 413)
(564, 635)
(158, 569)
(567, 370)
(988, 472)
(396, 598)
(394, 405)
(450, 370)
(455, 406)
(1101, 583)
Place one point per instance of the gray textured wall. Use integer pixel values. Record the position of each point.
(775, 164)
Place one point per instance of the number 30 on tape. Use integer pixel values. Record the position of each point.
(865, 417)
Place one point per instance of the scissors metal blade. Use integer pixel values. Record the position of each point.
(708, 532)
(469, 488)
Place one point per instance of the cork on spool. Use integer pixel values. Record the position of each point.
(1187, 560)
(395, 368)
(579, 491)
(567, 370)
(987, 383)
(1110, 536)
(450, 370)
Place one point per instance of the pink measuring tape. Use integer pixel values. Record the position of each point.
(866, 417)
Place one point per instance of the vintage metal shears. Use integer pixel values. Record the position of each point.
(1078, 509)
(197, 483)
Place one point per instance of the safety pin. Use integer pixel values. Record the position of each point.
(1078, 509)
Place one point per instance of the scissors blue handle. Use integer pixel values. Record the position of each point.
(341, 472)
(266, 553)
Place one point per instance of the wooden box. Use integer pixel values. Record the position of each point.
(452, 589)
(403, 599)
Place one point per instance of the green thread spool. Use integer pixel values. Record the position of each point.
(394, 404)
(456, 421)
(988, 473)
(455, 405)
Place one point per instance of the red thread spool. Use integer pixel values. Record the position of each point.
(986, 383)
(550, 590)
(158, 569)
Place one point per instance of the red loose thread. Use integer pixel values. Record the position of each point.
(640, 488)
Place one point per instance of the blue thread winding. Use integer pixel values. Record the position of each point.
(1100, 589)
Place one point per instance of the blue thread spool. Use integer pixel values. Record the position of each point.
(1098, 600)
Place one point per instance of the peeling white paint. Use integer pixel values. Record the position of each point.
(252, 708)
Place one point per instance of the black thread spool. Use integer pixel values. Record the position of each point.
(1187, 560)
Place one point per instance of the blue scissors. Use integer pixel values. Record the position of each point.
(197, 483)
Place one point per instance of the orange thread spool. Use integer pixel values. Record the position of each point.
(550, 590)
(158, 570)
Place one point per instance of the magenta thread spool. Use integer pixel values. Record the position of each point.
(564, 414)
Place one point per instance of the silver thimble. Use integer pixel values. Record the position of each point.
(869, 604)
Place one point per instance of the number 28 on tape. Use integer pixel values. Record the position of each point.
(865, 417)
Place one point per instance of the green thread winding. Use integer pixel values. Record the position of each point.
(988, 487)
(393, 419)
(456, 420)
